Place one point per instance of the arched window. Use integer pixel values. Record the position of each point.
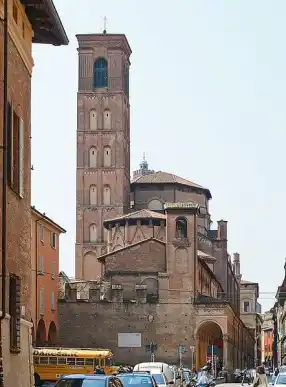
(92, 194)
(100, 73)
(106, 195)
(92, 233)
(92, 120)
(92, 157)
(155, 205)
(107, 156)
(107, 119)
(126, 81)
(181, 228)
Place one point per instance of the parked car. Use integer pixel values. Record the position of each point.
(157, 367)
(280, 380)
(136, 379)
(89, 381)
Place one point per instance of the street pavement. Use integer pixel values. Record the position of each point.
(232, 384)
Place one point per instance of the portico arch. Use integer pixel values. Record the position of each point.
(41, 334)
(52, 335)
(209, 333)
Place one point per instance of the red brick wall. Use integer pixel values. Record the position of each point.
(148, 256)
(18, 210)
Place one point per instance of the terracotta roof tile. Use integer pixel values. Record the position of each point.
(141, 214)
(164, 177)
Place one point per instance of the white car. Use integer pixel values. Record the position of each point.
(280, 380)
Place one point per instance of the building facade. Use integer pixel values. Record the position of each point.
(158, 285)
(267, 339)
(103, 144)
(45, 278)
(19, 27)
(148, 265)
(249, 293)
(280, 317)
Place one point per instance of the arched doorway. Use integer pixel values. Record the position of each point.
(52, 336)
(41, 334)
(209, 342)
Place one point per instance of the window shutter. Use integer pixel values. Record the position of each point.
(41, 264)
(10, 143)
(53, 301)
(21, 158)
(53, 270)
(42, 305)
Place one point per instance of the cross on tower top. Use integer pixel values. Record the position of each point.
(104, 24)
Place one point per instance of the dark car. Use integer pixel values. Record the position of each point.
(89, 381)
(137, 379)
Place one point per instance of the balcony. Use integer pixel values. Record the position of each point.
(114, 84)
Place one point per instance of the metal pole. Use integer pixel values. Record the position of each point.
(212, 359)
(215, 367)
(5, 181)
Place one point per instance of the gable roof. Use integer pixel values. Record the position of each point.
(161, 177)
(102, 257)
(140, 214)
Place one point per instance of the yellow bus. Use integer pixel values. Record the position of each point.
(51, 363)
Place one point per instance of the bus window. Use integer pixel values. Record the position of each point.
(36, 360)
(79, 362)
(44, 360)
(89, 362)
(52, 360)
(109, 362)
(62, 360)
(71, 361)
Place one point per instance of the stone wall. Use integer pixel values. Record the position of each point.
(97, 324)
(18, 367)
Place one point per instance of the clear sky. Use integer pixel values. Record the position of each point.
(208, 89)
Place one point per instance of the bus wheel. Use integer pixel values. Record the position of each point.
(38, 382)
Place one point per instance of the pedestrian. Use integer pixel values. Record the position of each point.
(261, 378)
(245, 377)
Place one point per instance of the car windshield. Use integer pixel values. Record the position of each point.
(187, 376)
(135, 380)
(81, 383)
(158, 378)
(281, 379)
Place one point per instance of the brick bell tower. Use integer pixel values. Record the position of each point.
(103, 144)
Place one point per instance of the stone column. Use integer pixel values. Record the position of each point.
(226, 352)
(197, 352)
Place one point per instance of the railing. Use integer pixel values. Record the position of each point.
(86, 84)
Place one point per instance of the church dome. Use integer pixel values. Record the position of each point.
(168, 178)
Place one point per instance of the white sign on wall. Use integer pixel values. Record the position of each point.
(129, 340)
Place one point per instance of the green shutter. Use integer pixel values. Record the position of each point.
(21, 158)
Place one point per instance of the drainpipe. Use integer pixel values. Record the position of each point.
(195, 257)
(5, 181)
(36, 295)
